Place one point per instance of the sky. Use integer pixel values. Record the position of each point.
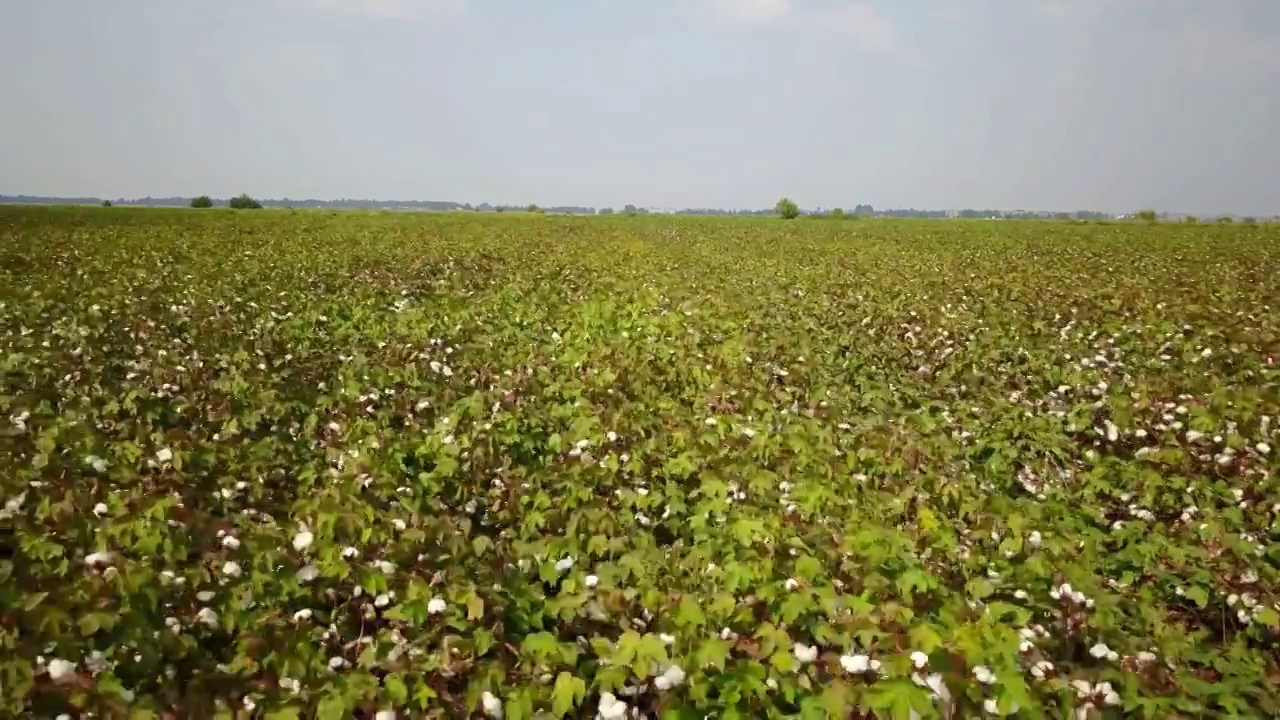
(1111, 105)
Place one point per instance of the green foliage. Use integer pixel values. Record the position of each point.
(472, 463)
(204, 201)
(787, 209)
(1147, 215)
(534, 209)
(1190, 219)
(106, 203)
(244, 202)
(837, 214)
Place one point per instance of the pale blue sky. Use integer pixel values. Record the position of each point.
(1038, 104)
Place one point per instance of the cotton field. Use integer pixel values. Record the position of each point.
(287, 465)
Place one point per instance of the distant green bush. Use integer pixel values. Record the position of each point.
(244, 202)
(204, 201)
(787, 209)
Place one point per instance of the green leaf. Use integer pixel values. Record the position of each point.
(689, 613)
(333, 706)
(567, 693)
(475, 607)
(396, 690)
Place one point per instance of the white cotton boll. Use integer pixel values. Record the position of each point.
(983, 674)
(303, 614)
(231, 568)
(205, 595)
(1034, 539)
(610, 707)
(667, 639)
(303, 540)
(387, 714)
(855, 664)
(710, 422)
(399, 524)
(564, 564)
(230, 542)
(382, 600)
(99, 558)
(792, 583)
(60, 670)
(436, 606)
(805, 653)
(1101, 651)
(349, 552)
(336, 662)
(592, 580)
(100, 509)
(491, 705)
(208, 617)
(307, 573)
(164, 455)
(672, 677)
(611, 436)
(919, 660)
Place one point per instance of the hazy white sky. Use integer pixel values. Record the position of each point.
(1069, 104)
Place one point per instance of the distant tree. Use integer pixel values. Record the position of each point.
(106, 203)
(1062, 216)
(1250, 221)
(1225, 220)
(605, 211)
(1147, 215)
(837, 214)
(244, 202)
(787, 209)
(630, 209)
(533, 208)
(864, 210)
(204, 201)
(500, 208)
(1191, 219)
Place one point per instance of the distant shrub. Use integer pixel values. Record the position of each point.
(1147, 215)
(1250, 221)
(534, 209)
(244, 202)
(787, 209)
(837, 214)
(106, 203)
(1225, 220)
(204, 201)
(1191, 219)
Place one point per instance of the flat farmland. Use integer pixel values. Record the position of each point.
(304, 464)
